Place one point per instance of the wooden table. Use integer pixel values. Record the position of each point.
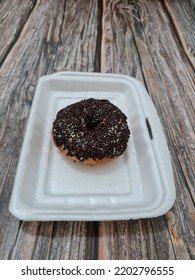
(153, 41)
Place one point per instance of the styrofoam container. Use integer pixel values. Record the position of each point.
(48, 186)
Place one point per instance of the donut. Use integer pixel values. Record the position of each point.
(91, 131)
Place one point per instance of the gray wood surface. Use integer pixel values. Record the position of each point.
(153, 41)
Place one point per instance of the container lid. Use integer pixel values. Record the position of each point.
(49, 187)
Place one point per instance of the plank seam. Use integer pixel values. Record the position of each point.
(177, 33)
(17, 36)
(98, 51)
(15, 242)
(60, 33)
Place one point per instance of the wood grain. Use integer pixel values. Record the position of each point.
(47, 40)
(181, 15)
(150, 40)
(78, 40)
(157, 51)
(13, 16)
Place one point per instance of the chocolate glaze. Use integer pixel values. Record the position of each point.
(91, 128)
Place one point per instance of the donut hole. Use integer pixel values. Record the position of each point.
(92, 124)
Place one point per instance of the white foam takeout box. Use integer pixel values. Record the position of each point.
(50, 187)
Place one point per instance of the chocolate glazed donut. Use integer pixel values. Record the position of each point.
(91, 131)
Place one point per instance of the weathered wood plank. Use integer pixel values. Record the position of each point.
(37, 51)
(77, 44)
(18, 75)
(119, 52)
(13, 16)
(144, 39)
(126, 240)
(182, 15)
(168, 76)
(173, 89)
